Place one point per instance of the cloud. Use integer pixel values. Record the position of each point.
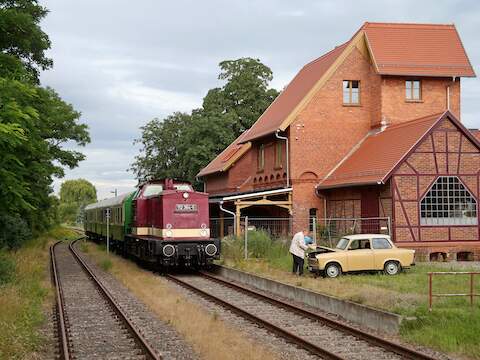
(122, 63)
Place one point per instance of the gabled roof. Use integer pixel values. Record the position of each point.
(417, 49)
(227, 157)
(290, 97)
(380, 153)
(395, 48)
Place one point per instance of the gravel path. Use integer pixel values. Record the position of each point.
(94, 330)
(333, 340)
(161, 337)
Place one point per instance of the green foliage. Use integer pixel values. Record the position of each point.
(14, 231)
(23, 43)
(106, 264)
(7, 268)
(74, 196)
(180, 145)
(35, 122)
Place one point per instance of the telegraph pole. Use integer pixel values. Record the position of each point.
(114, 192)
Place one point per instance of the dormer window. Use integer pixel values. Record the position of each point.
(413, 90)
(351, 92)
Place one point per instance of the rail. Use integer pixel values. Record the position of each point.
(431, 295)
(64, 345)
(139, 339)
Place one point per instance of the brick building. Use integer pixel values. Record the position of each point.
(372, 128)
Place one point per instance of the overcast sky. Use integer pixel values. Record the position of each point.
(121, 62)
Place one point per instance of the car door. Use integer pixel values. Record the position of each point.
(360, 255)
(382, 250)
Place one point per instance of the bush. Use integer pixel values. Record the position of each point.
(106, 264)
(7, 268)
(14, 231)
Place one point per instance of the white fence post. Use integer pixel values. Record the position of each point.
(246, 237)
(314, 226)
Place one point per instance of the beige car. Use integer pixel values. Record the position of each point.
(364, 252)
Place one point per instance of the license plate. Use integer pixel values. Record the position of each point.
(186, 208)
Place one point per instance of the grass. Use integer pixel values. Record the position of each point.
(453, 326)
(25, 296)
(210, 337)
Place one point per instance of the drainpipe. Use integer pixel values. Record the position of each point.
(286, 155)
(448, 97)
(231, 213)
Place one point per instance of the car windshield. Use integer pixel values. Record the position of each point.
(342, 244)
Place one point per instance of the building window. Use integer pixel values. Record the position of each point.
(351, 92)
(448, 202)
(413, 90)
(278, 155)
(261, 158)
(313, 217)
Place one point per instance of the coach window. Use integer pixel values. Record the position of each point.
(351, 92)
(448, 202)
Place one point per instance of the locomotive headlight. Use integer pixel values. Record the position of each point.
(168, 250)
(186, 195)
(169, 233)
(210, 249)
(203, 232)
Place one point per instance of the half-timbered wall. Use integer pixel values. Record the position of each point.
(446, 151)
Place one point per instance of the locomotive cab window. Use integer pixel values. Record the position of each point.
(183, 187)
(448, 202)
(153, 189)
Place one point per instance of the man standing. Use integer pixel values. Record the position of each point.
(297, 249)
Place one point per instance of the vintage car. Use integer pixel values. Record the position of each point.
(366, 252)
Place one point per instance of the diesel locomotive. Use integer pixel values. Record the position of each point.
(164, 223)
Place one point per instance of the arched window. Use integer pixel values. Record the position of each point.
(448, 202)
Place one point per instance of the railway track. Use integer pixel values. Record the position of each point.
(91, 325)
(319, 335)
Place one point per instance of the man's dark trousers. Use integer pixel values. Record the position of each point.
(297, 265)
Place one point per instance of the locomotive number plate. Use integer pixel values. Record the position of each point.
(186, 208)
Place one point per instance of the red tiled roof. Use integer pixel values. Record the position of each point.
(379, 153)
(222, 161)
(476, 133)
(417, 49)
(295, 91)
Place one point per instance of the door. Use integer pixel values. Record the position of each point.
(360, 255)
(370, 209)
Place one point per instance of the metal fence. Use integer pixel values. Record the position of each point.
(327, 231)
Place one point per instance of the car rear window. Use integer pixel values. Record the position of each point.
(381, 243)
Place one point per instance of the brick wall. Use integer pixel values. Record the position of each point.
(395, 109)
(445, 152)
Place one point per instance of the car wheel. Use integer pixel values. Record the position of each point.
(332, 271)
(391, 268)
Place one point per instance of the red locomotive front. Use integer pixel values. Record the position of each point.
(170, 225)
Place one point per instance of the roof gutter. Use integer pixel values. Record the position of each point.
(230, 213)
(286, 156)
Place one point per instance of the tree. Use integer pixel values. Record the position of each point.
(74, 196)
(23, 41)
(35, 123)
(180, 145)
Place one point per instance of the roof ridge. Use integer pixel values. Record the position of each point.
(324, 55)
(413, 121)
(408, 24)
